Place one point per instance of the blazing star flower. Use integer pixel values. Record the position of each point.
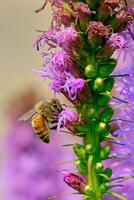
(67, 38)
(65, 116)
(67, 83)
(97, 29)
(60, 62)
(116, 41)
(125, 15)
(47, 37)
(74, 181)
(82, 10)
(73, 85)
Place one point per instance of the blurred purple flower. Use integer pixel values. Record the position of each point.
(27, 177)
(124, 166)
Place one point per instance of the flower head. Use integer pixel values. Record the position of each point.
(47, 37)
(97, 29)
(60, 62)
(116, 41)
(67, 38)
(82, 10)
(73, 85)
(68, 83)
(65, 116)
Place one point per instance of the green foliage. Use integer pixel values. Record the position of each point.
(81, 166)
(80, 151)
(104, 152)
(106, 115)
(105, 69)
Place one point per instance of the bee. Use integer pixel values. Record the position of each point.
(44, 116)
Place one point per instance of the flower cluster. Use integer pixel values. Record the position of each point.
(81, 41)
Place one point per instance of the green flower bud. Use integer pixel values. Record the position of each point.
(86, 197)
(106, 115)
(90, 150)
(93, 113)
(98, 84)
(81, 166)
(104, 153)
(104, 187)
(87, 189)
(90, 71)
(99, 167)
(80, 151)
(101, 127)
(106, 69)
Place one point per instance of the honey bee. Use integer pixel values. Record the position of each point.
(44, 116)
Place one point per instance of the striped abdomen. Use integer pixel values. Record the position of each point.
(40, 126)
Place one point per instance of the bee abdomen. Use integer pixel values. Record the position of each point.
(40, 128)
(43, 136)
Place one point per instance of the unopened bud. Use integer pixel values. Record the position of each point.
(80, 151)
(74, 181)
(98, 84)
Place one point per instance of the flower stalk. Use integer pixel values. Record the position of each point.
(86, 34)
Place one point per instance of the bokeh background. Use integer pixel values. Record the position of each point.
(18, 25)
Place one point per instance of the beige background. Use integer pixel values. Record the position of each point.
(18, 23)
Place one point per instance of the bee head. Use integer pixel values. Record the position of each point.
(55, 105)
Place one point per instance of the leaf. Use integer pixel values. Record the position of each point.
(114, 138)
(105, 176)
(62, 195)
(67, 145)
(116, 195)
(121, 156)
(122, 177)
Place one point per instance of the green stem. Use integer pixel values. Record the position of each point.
(95, 158)
(92, 176)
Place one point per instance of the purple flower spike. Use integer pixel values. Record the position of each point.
(74, 181)
(65, 116)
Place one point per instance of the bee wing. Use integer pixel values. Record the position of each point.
(28, 115)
